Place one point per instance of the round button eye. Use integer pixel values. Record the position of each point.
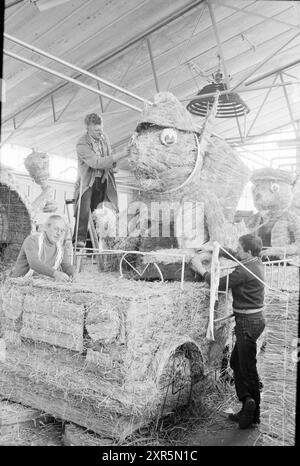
(275, 188)
(168, 136)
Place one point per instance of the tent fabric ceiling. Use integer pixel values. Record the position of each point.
(110, 38)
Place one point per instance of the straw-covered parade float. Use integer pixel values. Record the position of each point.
(112, 352)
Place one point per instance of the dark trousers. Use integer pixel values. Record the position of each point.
(243, 356)
(89, 201)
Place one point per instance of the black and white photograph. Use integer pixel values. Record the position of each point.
(149, 226)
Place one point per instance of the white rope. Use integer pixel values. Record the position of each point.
(252, 273)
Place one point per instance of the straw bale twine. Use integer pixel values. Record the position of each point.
(114, 382)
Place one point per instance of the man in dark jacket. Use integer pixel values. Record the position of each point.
(248, 302)
(95, 182)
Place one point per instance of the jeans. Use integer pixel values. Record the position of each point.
(89, 201)
(243, 357)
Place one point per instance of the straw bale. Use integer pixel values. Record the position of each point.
(12, 301)
(100, 359)
(76, 436)
(117, 384)
(104, 321)
(53, 321)
(15, 413)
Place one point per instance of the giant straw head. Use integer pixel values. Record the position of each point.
(272, 189)
(162, 151)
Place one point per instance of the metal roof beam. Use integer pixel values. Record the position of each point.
(289, 106)
(261, 107)
(216, 32)
(265, 61)
(270, 73)
(73, 67)
(71, 80)
(177, 14)
(266, 133)
(259, 15)
(152, 63)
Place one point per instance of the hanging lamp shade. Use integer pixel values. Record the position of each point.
(230, 104)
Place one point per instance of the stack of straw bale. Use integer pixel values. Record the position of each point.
(108, 352)
(277, 365)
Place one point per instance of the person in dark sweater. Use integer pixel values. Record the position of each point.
(248, 303)
(44, 254)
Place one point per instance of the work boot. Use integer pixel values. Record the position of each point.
(246, 417)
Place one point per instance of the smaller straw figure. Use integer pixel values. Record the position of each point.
(37, 165)
(277, 222)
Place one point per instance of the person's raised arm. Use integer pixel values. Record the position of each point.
(88, 156)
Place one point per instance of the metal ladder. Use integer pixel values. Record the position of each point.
(77, 256)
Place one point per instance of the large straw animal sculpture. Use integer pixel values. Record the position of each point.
(189, 181)
(37, 165)
(16, 220)
(177, 163)
(277, 220)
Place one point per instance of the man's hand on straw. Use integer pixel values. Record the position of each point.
(61, 277)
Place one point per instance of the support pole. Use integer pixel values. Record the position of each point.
(73, 67)
(71, 80)
(298, 149)
(215, 28)
(152, 64)
(261, 107)
(265, 61)
(100, 99)
(289, 106)
(254, 13)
